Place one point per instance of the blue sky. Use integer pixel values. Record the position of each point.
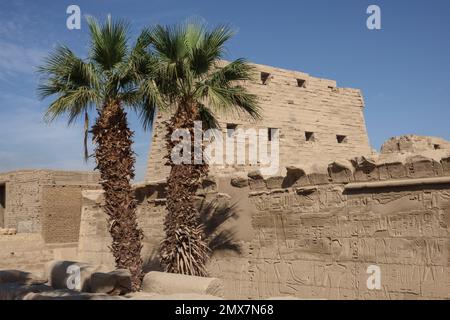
(403, 69)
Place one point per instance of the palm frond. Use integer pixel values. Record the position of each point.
(208, 118)
(108, 42)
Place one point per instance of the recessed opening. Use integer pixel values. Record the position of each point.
(301, 83)
(231, 128)
(309, 136)
(2, 205)
(437, 146)
(265, 77)
(271, 132)
(341, 138)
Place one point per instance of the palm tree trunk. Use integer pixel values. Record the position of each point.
(184, 249)
(115, 161)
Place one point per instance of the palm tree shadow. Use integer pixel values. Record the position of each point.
(215, 216)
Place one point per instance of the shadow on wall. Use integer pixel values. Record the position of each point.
(216, 218)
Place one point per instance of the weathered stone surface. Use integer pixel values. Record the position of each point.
(446, 165)
(341, 171)
(16, 291)
(59, 274)
(175, 296)
(366, 169)
(275, 182)
(69, 295)
(8, 231)
(113, 283)
(239, 182)
(45, 201)
(309, 112)
(413, 144)
(295, 176)
(21, 277)
(421, 167)
(170, 283)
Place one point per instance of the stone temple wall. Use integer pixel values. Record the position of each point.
(308, 112)
(41, 216)
(27, 192)
(313, 232)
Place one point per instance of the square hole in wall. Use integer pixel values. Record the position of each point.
(231, 128)
(341, 138)
(265, 78)
(271, 132)
(309, 136)
(301, 83)
(437, 147)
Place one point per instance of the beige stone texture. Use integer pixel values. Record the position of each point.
(312, 232)
(319, 107)
(413, 144)
(114, 283)
(58, 274)
(170, 283)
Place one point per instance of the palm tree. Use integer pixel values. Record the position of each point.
(113, 76)
(196, 84)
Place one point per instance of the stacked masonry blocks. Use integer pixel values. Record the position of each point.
(319, 107)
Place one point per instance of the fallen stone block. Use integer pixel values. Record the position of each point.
(365, 169)
(71, 275)
(69, 295)
(421, 167)
(21, 277)
(171, 283)
(114, 283)
(15, 291)
(295, 176)
(239, 182)
(341, 171)
(177, 296)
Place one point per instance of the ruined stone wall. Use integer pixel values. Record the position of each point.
(317, 106)
(61, 213)
(44, 207)
(313, 232)
(26, 192)
(94, 236)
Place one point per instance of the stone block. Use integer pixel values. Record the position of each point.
(114, 282)
(62, 274)
(16, 291)
(341, 172)
(21, 277)
(171, 283)
(295, 177)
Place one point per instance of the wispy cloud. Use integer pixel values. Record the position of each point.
(17, 59)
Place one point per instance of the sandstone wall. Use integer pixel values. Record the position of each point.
(313, 232)
(27, 193)
(319, 107)
(94, 236)
(2, 205)
(28, 251)
(44, 207)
